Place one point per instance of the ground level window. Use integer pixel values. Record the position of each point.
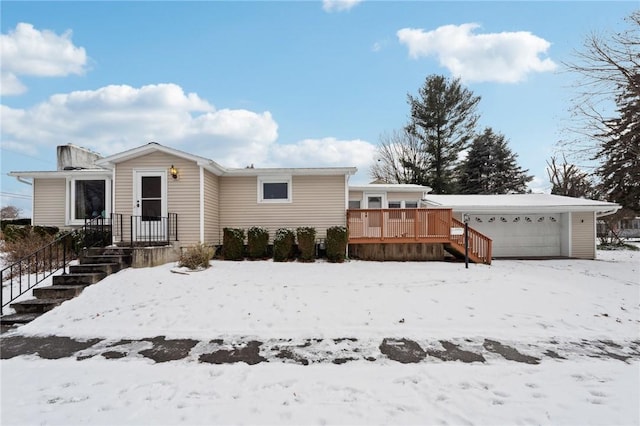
(354, 204)
(395, 204)
(89, 199)
(411, 204)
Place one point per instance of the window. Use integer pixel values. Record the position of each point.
(411, 204)
(89, 198)
(274, 190)
(354, 204)
(395, 204)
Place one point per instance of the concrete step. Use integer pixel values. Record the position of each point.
(123, 260)
(18, 318)
(95, 251)
(107, 268)
(36, 306)
(78, 279)
(63, 292)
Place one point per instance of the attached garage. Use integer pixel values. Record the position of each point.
(530, 225)
(522, 235)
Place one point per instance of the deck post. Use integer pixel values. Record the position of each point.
(466, 241)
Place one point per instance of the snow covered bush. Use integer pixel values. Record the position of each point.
(233, 243)
(196, 257)
(306, 243)
(283, 245)
(337, 237)
(258, 242)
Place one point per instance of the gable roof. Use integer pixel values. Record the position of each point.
(216, 168)
(514, 203)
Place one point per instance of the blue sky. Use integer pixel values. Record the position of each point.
(304, 83)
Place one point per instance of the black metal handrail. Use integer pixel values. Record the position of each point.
(52, 257)
(153, 230)
(37, 266)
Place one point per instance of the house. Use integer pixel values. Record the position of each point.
(155, 195)
(160, 194)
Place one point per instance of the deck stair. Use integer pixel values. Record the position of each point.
(94, 265)
(479, 245)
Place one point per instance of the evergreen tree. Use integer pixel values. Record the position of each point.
(620, 152)
(491, 167)
(443, 118)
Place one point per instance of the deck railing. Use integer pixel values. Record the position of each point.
(479, 244)
(421, 225)
(398, 225)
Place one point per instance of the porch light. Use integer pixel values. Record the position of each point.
(174, 172)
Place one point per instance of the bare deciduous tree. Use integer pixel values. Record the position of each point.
(567, 179)
(401, 159)
(10, 212)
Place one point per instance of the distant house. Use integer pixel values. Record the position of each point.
(157, 194)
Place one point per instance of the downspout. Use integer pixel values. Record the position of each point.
(201, 205)
(346, 207)
(22, 180)
(33, 190)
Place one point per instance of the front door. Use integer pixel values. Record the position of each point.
(150, 217)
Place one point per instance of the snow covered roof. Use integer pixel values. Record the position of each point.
(519, 203)
(390, 187)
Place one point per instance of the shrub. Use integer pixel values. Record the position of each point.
(26, 242)
(196, 257)
(19, 232)
(233, 243)
(283, 244)
(306, 243)
(337, 237)
(258, 241)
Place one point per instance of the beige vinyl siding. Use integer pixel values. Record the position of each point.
(212, 234)
(49, 199)
(583, 235)
(318, 201)
(183, 194)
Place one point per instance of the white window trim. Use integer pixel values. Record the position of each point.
(275, 179)
(71, 196)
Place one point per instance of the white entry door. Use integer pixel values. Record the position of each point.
(150, 221)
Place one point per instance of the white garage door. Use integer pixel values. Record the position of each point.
(520, 235)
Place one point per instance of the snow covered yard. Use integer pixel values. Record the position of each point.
(527, 304)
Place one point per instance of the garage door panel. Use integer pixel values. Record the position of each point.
(520, 235)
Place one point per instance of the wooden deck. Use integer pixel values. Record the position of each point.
(421, 225)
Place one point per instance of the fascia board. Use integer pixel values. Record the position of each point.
(320, 171)
(61, 173)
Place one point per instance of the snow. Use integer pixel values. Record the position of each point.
(473, 202)
(526, 304)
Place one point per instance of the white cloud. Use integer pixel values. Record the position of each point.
(28, 51)
(326, 152)
(339, 5)
(505, 57)
(115, 118)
